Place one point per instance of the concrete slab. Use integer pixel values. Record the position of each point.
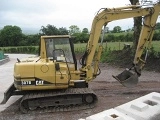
(144, 108)
(6, 78)
(110, 114)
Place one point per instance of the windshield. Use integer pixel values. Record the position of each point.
(59, 49)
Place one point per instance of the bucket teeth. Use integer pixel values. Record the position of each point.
(127, 78)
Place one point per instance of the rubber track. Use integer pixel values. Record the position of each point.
(62, 93)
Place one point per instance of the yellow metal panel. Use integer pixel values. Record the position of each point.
(61, 77)
(24, 70)
(45, 71)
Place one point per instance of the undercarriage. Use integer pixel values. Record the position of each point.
(54, 100)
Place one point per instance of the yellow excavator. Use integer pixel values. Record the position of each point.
(53, 81)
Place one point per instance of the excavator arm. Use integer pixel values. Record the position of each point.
(129, 77)
(102, 18)
(149, 23)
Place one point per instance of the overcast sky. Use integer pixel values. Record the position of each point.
(32, 14)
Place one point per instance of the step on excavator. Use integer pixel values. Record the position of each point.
(53, 82)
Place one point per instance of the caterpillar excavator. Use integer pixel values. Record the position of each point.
(52, 81)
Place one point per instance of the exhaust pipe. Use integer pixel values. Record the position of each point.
(127, 78)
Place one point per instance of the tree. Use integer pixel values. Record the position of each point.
(129, 30)
(81, 37)
(32, 40)
(10, 36)
(52, 30)
(85, 30)
(117, 29)
(63, 31)
(137, 26)
(107, 30)
(49, 30)
(74, 29)
(157, 26)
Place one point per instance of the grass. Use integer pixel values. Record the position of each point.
(121, 33)
(156, 45)
(80, 47)
(109, 45)
(116, 45)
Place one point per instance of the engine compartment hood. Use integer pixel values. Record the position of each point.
(29, 59)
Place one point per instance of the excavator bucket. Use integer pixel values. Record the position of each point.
(8, 93)
(127, 78)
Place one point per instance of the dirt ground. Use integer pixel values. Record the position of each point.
(110, 94)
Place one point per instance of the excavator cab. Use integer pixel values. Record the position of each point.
(127, 78)
(59, 48)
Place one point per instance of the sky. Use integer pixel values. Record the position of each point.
(32, 14)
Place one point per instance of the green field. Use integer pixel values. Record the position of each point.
(79, 48)
(109, 45)
(117, 45)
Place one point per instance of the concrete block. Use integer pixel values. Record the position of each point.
(142, 108)
(156, 97)
(110, 114)
(139, 106)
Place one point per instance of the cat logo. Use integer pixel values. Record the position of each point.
(39, 82)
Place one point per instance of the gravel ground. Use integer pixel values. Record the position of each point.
(110, 94)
